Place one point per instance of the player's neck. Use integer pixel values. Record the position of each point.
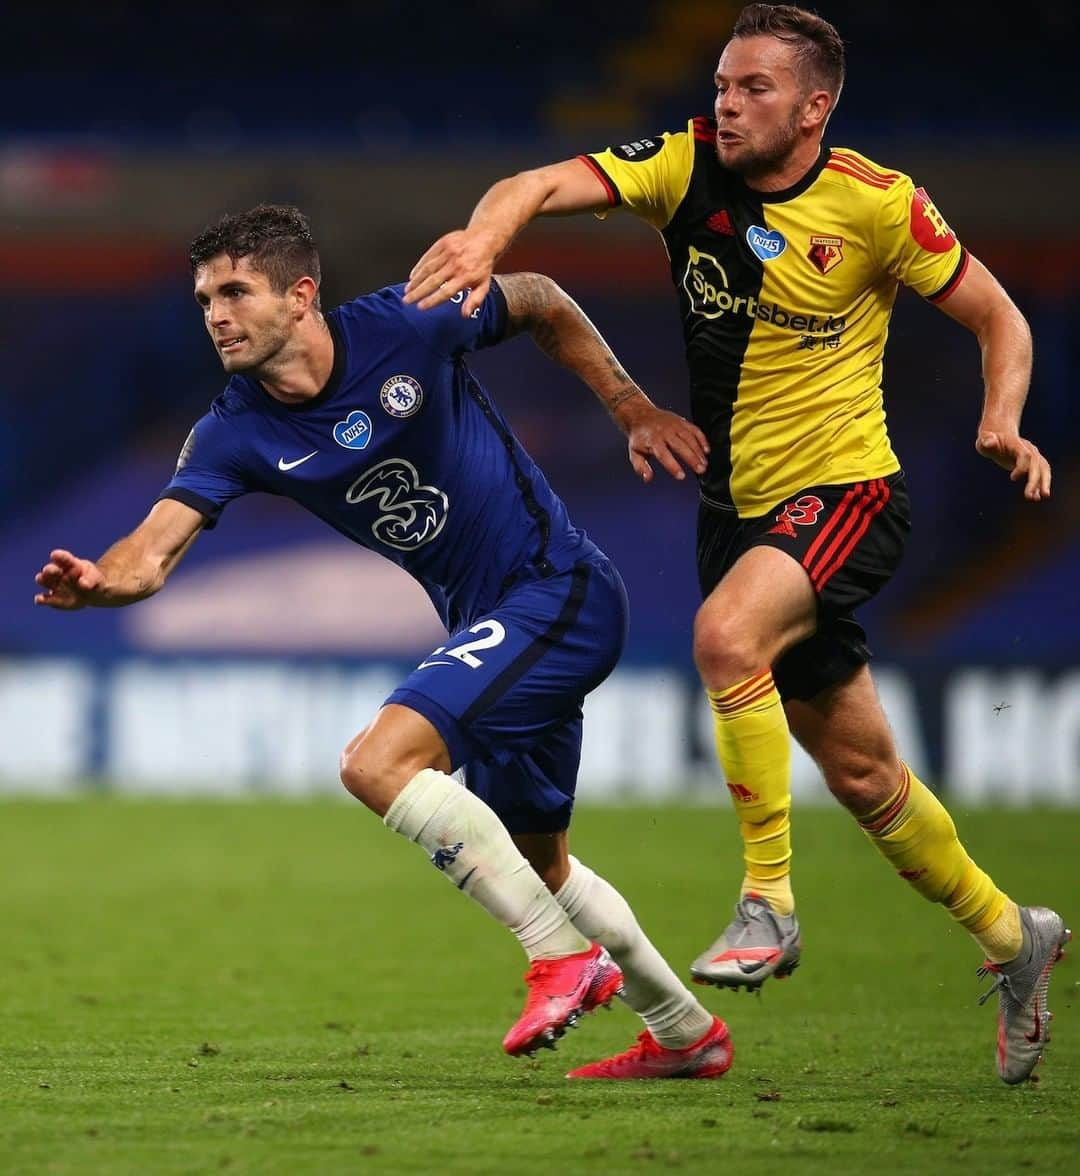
(790, 172)
(302, 368)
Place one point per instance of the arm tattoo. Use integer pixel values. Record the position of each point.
(533, 303)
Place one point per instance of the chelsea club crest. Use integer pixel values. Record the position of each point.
(401, 396)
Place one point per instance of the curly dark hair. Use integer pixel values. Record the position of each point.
(276, 237)
(818, 46)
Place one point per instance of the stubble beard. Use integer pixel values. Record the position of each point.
(757, 162)
(268, 358)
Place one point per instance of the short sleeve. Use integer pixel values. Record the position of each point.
(648, 176)
(208, 472)
(916, 244)
(447, 332)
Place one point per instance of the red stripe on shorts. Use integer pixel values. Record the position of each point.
(836, 516)
(870, 506)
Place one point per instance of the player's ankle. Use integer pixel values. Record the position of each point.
(776, 892)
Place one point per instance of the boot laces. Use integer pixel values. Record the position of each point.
(1001, 981)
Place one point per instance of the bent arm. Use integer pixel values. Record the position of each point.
(465, 259)
(981, 304)
(132, 569)
(560, 328)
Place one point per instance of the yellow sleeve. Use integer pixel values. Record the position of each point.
(649, 176)
(915, 243)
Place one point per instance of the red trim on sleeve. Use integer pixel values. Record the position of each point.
(612, 192)
(954, 281)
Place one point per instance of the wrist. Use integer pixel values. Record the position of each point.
(627, 407)
(989, 424)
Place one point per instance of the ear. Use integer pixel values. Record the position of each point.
(817, 107)
(302, 295)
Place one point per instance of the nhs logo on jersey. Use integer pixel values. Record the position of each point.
(354, 432)
(766, 244)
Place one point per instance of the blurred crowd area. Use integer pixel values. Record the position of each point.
(402, 75)
(128, 127)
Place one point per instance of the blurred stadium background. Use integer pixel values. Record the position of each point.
(128, 127)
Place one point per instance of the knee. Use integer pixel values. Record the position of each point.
(355, 766)
(372, 771)
(724, 651)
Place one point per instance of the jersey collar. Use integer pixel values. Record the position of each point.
(800, 185)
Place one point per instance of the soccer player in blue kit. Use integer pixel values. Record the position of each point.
(369, 417)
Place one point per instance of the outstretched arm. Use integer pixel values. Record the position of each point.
(465, 258)
(981, 305)
(132, 569)
(561, 330)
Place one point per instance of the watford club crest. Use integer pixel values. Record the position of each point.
(826, 253)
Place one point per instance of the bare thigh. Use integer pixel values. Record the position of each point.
(760, 608)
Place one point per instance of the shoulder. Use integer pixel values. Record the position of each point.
(702, 129)
(384, 304)
(863, 175)
(239, 397)
(660, 146)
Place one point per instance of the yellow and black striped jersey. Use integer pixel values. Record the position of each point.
(785, 298)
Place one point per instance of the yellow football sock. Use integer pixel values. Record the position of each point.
(754, 746)
(914, 831)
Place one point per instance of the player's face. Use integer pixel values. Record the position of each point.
(249, 324)
(759, 105)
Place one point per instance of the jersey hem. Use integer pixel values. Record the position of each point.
(835, 480)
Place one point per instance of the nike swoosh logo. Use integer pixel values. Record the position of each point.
(285, 466)
(426, 665)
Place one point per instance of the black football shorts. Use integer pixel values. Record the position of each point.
(848, 538)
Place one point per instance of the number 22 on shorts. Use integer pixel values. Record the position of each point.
(494, 634)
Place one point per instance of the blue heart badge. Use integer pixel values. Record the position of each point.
(354, 432)
(766, 244)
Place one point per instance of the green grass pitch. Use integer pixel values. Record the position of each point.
(287, 987)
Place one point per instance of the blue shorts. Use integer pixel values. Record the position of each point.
(505, 694)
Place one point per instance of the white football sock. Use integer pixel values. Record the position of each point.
(470, 845)
(670, 1011)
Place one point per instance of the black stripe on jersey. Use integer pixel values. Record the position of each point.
(211, 511)
(532, 653)
(613, 194)
(954, 278)
(706, 264)
(536, 512)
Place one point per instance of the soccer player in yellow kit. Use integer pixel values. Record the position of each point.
(786, 256)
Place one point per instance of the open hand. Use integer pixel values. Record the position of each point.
(68, 581)
(461, 260)
(1021, 458)
(669, 438)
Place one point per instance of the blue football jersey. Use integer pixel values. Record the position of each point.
(403, 452)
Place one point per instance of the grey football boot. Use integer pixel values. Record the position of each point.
(757, 944)
(1021, 984)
